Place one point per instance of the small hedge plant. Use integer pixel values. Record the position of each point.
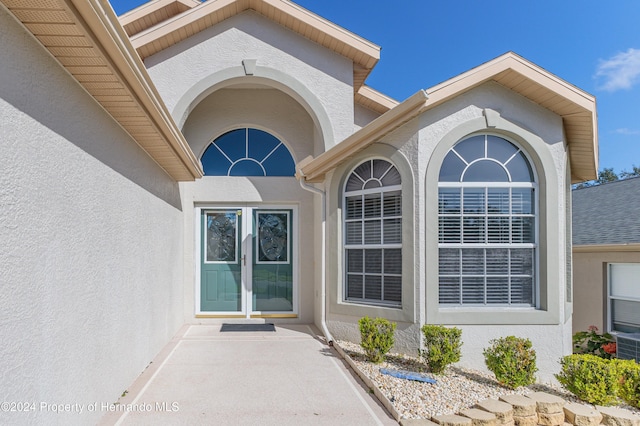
(629, 382)
(442, 346)
(512, 360)
(590, 378)
(376, 337)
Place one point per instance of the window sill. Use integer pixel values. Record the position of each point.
(492, 316)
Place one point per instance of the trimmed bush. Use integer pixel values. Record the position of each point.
(512, 360)
(590, 378)
(629, 384)
(376, 337)
(443, 346)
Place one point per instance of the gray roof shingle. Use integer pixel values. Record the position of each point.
(607, 213)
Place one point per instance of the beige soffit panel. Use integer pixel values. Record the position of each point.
(374, 100)
(576, 107)
(152, 13)
(88, 41)
(363, 53)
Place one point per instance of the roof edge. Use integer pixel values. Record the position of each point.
(315, 170)
(374, 100)
(594, 248)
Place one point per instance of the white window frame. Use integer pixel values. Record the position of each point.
(486, 245)
(610, 298)
(382, 246)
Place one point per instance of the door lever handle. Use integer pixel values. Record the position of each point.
(244, 260)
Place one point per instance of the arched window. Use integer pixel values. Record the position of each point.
(373, 234)
(487, 218)
(247, 152)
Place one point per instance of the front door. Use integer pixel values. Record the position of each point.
(247, 262)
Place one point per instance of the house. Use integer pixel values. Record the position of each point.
(225, 161)
(606, 256)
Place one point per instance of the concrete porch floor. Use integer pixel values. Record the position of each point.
(286, 377)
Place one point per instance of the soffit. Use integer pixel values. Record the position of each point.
(576, 107)
(374, 100)
(363, 53)
(87, 40)
(152, 13)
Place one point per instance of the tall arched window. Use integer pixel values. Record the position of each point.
(373, 234)
(487, 218)
(247, 152)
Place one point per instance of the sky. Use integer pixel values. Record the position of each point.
(592, 44)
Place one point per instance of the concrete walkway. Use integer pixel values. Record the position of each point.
(282, 377)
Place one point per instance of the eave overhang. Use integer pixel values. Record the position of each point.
(576, 107)
(602, 248)
(85, 37)
(152, 13)
(162, 35)
(374, 100)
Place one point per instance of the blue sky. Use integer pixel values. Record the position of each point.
(592, 44)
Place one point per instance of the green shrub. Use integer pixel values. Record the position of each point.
(443, 346)
(512, 360)
(629, 384)
(591, 342)
(376, 337)
(590, 378)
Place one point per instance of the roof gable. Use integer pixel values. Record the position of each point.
(576, 107)
(177, 28)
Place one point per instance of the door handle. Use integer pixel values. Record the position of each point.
(244, 260)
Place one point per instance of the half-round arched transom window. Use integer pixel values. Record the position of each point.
(247, 152)
(373, 234)
(487, 217)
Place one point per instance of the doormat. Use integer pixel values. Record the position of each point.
(248, 327)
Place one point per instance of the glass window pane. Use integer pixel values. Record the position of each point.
(373, 261)
(233, 144)
(520, 169)
(522, 200)
(498, 290)
(522, 290)
(372, 205)
(497, 229)
(473, 200)
(452, 168)
(472, 290)
(625, 316)
(247, 168)
(354, 207)
(449, 261)
(497, 261)
(392, 231)
(473, 229)
(522, 229)
(449, 200)
(373, 287)
(392, 203)
(500, 149)
(472, 261)
(279, 163)
(214, 163)
(353, 232)
(221, 237)
(521, 261)
(393, 261)
(485, 171)
(449, 290)
(392, 177)
(449, 229)
(498, 200)
(354, 183)
(392, 289)
(355, 259)
(273, 237)
(372, 232)
(471, 149)
(625, 280)
(380, 168)
(355, 288)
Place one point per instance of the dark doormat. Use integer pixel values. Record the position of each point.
(248, 327)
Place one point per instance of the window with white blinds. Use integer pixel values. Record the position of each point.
(373, 234)
(624, 297)
(487, 225)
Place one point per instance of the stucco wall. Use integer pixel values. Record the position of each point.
(319, 79)
(590, 286)
(90, 243)
(423, 143)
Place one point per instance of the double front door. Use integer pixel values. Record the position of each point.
(247, 262)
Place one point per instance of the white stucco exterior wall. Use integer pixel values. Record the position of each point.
(90, 243)
(321, 80)
(423, 142)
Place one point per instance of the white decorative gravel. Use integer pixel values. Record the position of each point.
(455, 390)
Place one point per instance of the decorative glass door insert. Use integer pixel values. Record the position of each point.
(247, 262)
